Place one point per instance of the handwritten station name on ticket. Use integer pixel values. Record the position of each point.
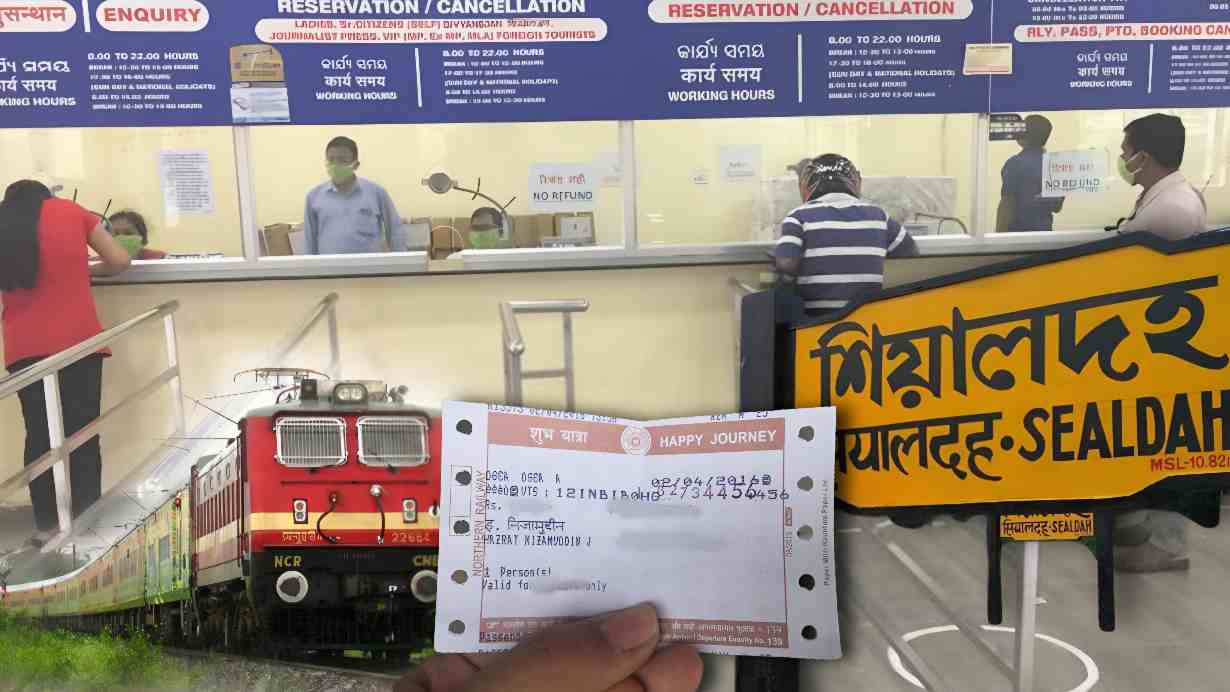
(725, 523)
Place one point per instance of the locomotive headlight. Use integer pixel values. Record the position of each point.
(423, 586)
(409, 511)
(299, 509)
(376, 490)
(350, 393)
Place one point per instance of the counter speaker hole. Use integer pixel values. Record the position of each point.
(457, 627)
(465, 427)
(807, 433)
(460, 576)
(464, 477)
(809, 633)
(805, 483)
(807, 582)
(805, 533)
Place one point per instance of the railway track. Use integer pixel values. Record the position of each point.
(372, 671)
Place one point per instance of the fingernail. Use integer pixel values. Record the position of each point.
(631, 627)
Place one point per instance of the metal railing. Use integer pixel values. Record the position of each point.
(514, 347)
(48, 370)
(325, 309)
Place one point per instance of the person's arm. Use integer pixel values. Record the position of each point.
(311, 230)
(900, 242)
(113, 258)
(788, 253)
(397, 230)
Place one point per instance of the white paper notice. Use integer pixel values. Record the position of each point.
(1069, 172)
(187, 187)
(563, 187)
(740, 164)
(252, 105)
(724, 523)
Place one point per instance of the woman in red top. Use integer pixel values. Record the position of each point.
(45, 280)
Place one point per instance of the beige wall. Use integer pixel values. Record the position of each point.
(655, 343)
(290, 160)
(674, 208)
(121, 165)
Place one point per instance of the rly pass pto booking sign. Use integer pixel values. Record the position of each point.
(725, 523)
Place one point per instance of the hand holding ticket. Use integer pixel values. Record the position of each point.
(723, 523)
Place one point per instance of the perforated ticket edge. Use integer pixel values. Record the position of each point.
(460, 598)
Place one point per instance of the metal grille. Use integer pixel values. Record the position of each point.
(311, 442)
(393, 441)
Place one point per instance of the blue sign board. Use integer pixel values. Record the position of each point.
(208, 62)
(1087, 54)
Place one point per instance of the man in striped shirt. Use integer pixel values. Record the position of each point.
(835, 243)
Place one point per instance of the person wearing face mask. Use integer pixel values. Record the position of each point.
(129, 229)
(1152, 151)
(1152, 540)
(348, 214)
(835, 243)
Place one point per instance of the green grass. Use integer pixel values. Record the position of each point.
(34, 659)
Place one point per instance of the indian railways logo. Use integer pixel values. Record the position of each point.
(636, 440)
(1095, 376)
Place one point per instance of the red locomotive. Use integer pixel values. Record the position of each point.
(316, 529)
(319, 527)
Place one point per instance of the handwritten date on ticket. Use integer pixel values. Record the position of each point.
(725, 523)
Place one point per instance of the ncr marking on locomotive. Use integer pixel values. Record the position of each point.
(285, 561)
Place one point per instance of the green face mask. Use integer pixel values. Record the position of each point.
(131, 243)
(340, 172)
(1128, 175)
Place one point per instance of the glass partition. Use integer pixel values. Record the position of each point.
(559, 185)
(726, 181)
(181, 181)
(1099, 134)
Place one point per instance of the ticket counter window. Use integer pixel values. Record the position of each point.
(1075, 172)
(181, 181)
(394, 188)
(733, 181)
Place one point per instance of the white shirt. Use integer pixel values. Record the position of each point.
(1172, 209)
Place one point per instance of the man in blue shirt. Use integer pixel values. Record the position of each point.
(835, 243)
(349, 214)
(1021, 204)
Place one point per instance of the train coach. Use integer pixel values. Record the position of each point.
(315, 529)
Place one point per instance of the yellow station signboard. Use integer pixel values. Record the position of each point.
(1090, 377)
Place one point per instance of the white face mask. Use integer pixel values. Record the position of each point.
(1125, 171)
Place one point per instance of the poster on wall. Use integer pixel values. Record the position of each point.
(208, 62)
(187, 187)
(1120, 54)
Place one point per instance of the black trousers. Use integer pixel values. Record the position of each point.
(81, 398)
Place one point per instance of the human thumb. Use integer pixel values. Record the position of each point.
(585, 656)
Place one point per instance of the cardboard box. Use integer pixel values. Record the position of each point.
(529, 230)
(275, 240)
(444, 241)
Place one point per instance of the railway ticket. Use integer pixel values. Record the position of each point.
(725, 523)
